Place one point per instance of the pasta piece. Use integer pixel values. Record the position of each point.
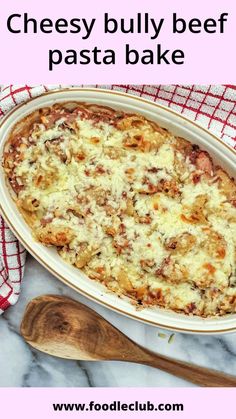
(85, 255)
(182, 244)
(54, 235)
(29, 204)
(215, 244)
(197, 214)
(226, 185)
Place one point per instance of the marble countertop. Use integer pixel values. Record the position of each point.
(20, 366)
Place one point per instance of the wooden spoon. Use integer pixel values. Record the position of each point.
(68, 329)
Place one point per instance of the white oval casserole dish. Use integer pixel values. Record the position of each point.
(48, 257)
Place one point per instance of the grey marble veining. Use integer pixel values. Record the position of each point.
(20, 366)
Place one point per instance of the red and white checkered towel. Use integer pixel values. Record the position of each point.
(214, 107)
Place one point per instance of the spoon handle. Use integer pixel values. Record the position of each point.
(201, 376)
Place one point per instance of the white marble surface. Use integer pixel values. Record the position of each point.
(20, 366)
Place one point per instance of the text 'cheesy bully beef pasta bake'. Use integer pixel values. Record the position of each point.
(144, 212)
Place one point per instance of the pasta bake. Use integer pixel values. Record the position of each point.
(146, 213)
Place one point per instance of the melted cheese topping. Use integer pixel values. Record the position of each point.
(120, 201)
